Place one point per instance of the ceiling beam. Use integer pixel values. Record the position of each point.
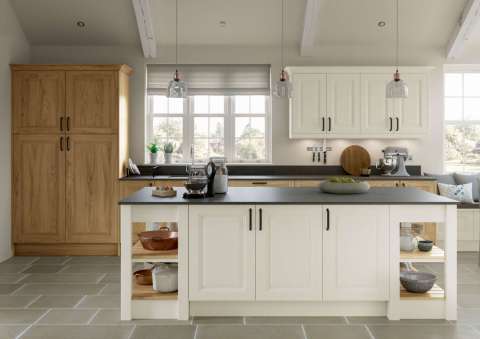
(463, 29)
(145, 27)
(310, 27)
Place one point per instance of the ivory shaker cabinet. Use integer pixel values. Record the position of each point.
(69, 149)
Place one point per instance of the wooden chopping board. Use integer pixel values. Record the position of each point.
(354, 158)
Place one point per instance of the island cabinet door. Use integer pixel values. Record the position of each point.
(222, 252)
(289, 252)
(355, 253)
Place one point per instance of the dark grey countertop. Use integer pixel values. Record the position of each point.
(278, 177)
(270, 195)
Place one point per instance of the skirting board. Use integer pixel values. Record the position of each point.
(65, 249)
(258, 308)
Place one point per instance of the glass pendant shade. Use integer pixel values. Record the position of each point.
(283, 87)
(177, 88)
(397, 88)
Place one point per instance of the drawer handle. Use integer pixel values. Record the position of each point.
(259, 183)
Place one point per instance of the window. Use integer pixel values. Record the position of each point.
(228, 118)
(462, 121)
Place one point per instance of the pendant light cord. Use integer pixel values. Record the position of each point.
(397, 37)
(176, 33)
(282, 36)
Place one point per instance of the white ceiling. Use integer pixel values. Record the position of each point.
(427, 23)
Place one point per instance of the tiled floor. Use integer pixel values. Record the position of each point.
(71, 298)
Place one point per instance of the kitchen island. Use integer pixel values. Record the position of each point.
(289, 252)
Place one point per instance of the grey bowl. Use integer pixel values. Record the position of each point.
(344, 188)
(417, 282)
(425, 245)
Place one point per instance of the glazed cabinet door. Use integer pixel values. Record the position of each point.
(289, 252)
(91, 189)
(376, 108)
(39, 188)
(92, 102)
(222, 252)
(308, 105)
(343, 104)
(38, 101)
(355, 253)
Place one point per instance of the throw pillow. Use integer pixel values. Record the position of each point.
(461, 193)
(461, 179)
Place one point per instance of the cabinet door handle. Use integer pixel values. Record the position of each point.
(61, 144)
(396, 184)
(250, 219)
(323, 124)
(260, 220)
(61, 124)
(328, 219)
(259, 183)
(404, 184)
(398, 124)
(68, 143)
(68, 124)
(329, 124)
(391, 124)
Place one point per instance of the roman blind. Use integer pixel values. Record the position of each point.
(212, 79)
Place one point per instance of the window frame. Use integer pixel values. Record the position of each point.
(229, 116)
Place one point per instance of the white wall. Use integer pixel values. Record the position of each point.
(428, 151)
(14, 48)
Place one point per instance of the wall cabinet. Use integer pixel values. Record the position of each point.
(70, 148)
(355, 252)
(275, 252)
(337, 102)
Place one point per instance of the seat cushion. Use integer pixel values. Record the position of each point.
(442, 178)
(463, 205)
(462, 179)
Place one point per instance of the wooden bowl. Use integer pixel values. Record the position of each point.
(143, 277)
(159, 240)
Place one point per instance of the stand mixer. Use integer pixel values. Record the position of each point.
(393, 162)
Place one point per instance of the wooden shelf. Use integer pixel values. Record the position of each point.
(435, 255)
(146, 292)
(436, 293)
(139, 254)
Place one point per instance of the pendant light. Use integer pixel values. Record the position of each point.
(283, 87)
(177, 88)
(396, 88)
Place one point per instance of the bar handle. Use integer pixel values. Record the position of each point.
(398, 124)
(329, 124)
(260, 219)
(259, 182)
(391, 124)
(250, 226)
(323, 124)
(61, 124)
(328, 219)
(61, 144)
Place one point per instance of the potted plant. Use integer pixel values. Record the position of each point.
(153, 148)
(168, 148)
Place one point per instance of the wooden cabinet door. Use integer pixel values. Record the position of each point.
(38, 189)
(425, 185)
(91, 189)
(343, 104)
(289, 252)
(92, 102)
(308, 105)
(383, 183)
(38, 101)
(376, 108)
(412, 112)
(355, 253)
(221, 253)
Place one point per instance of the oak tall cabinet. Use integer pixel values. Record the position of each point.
(69, 149)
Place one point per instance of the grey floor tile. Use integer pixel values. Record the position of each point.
(250, 332)
(16, 301)
(336, 332)
(423, 332)
(63, 278)
(384, 320)
(12, 317)
(218, 320)
(78, 332)
(9, 288)
(111, 277)
(10, 278)
(11, 331)
(109, 317)
(163, 332)
(96, 260)
(59, 289)
(62, 301)
(21, 260)
(294, 320)
(100, 301)
(43, 269)
(91, 269)
(12, 268)
(111, 289)
(67, 317)
(52, 260)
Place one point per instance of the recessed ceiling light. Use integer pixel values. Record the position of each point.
(222, 23)
(381, 24)
(81, 24)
